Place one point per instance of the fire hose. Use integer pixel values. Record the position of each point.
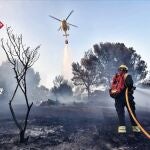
(134, 118)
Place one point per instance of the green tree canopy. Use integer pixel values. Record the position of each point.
(111, 55)
(61, 87)
(100, 63)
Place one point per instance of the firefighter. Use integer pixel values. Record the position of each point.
(121, 81)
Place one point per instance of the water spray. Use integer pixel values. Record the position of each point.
(134, 118)
(67, 61)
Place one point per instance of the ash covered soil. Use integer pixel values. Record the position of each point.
(76, 127)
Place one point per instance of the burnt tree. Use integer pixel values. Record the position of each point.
(21, 58)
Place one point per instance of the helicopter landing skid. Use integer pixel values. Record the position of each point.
(66, 35)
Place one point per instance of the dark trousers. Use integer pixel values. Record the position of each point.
(120, 104)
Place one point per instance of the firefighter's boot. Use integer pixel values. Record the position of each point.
(122, 129)
(136, 129)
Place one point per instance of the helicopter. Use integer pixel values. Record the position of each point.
(64, 25)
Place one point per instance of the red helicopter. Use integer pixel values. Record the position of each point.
(64, 25)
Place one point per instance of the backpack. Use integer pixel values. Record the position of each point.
(117, 85)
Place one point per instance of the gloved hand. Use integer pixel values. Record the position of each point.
(134, 88)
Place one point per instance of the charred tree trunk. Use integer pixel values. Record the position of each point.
(22, 137)
(22, 131)
(27, 116)
(89, 92)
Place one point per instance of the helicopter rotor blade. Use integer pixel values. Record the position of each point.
(69, 14)
(72, 25)
(59, 28)
(54, 18)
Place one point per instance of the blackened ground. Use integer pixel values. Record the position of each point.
(73, 128)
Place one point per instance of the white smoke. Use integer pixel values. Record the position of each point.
(67, 63)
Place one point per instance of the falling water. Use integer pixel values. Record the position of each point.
(67, 61)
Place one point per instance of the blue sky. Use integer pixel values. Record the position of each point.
(98, 20)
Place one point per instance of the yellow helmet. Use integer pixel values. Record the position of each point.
(124, 67)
